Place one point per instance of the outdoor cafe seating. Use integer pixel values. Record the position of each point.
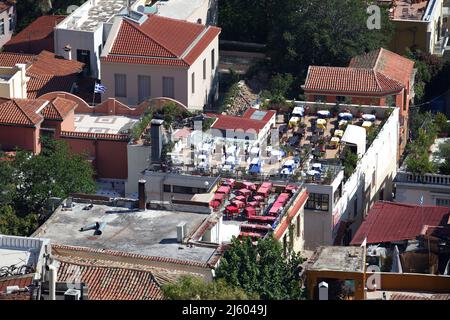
(322, 114)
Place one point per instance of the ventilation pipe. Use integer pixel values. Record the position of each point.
(323, 291)
(157, 141)
(67, 52)
(52, 272)
(142, 195)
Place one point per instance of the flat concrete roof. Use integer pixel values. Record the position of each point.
(103, 124)
(150, 232)
(178, 9)
(88, 17)
(333, 258)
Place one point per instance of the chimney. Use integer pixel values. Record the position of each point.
(157, 142)
(323, 291)
(181, 231)
(52, 278)
(142, 195)
(67, 52)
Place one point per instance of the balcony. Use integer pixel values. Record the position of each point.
(428, 178)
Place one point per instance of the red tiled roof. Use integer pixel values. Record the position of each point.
(36, 37)
(23, 112)
(47, 71)
(160, 41)
(10, 59)
(268, 114)
(225, 122)
(131, 255)
(113, 283)
(58, 108)
(387, 62)
(349, 80)
(389, 221)
(404, 296)
(20, 281)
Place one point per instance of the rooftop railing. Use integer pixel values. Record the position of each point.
(427, 178)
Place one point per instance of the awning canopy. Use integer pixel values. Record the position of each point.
(355, 135)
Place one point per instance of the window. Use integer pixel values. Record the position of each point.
(340, 99)
(442, 202)
(144, 88)
(318, 201)
(319, 99)
(120, 85)
(355, 207)
(167, 188)
(11, 22)
(2, 26)
(204, 69)
(168, 87)
(99, 50)
(193, 82)
(213, 59)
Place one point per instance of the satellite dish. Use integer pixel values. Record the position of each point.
(71, 9)
(141, 9)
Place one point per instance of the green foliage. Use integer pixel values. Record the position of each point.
(418, 160)
(322, 32)
(262, 269)
(30, 10)
(428, 67)
(12, 224)
(27, 183)
(440, 120)
(280, 84)
(140, 126)
(171, 112)
(349, 161)
(195, 288)
(229, 97)
(207, 123)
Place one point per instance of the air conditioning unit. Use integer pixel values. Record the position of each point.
(72, 294)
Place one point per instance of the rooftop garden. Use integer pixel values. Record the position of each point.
(425, 128)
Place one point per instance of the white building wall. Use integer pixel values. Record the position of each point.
(138, 157)
(203, 87)
(375, 171)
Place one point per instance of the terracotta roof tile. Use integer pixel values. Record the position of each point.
(36, 37)
(386, 62)
(389, 221)
(58, 109)
(20, 281)
(22, 112)
(113, 283)
(349, 80)
(161, 41)
(226, 122)
(47, 72)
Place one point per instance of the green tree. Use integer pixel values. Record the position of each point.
(12, 224)
(280, 84)
(263, 269)
(323, 32)
(195, 288)
(349, 161)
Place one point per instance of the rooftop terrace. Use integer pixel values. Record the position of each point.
(89, 17)
(345, 259)
(410, 9)
(104, 124)
(150, 232)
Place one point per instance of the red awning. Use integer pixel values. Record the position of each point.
(232, 209)
(249, 185)
(239, 204)
(267, 185)
(264, 191)
(224, 189)
(240, 198)
(230, 182)
(275, 208)
(291, 187)
(214, 204)
(250, 211)
(244, 192)
(219, 197)
(259, 198)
